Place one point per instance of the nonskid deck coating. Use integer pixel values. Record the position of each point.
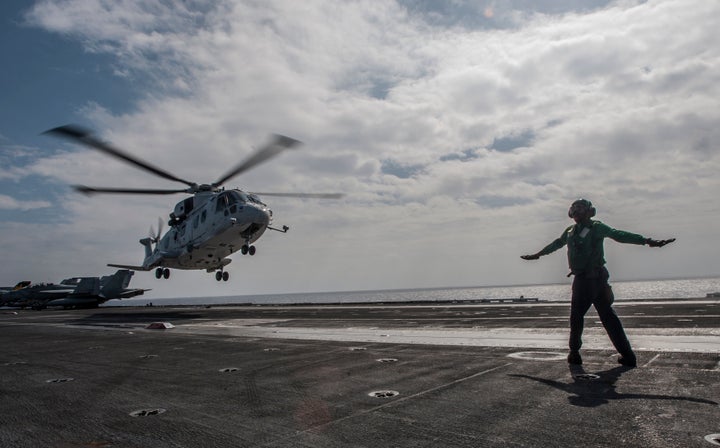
(218, 387)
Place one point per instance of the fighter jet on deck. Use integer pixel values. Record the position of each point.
(76, 292)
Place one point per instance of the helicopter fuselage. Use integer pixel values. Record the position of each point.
(218, 227)
(205, 229)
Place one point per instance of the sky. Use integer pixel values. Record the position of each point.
(459, 132)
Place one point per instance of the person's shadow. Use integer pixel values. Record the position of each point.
(592, 390)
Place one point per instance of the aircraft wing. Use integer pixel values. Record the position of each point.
(132, 268)
(72, 301)
(39, 293)
(57, 292)
(132, 293)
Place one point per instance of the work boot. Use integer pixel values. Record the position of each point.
(575, 358)
(628, 360)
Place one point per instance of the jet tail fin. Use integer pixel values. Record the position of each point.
(114, 285)
(87, 286)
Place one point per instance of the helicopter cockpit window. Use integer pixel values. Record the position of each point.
(222, 202)
(237, 197)
(255, 199)
(188, 205)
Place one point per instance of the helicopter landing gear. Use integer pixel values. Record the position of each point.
(247, 250)
(222, 276)
(162, 273)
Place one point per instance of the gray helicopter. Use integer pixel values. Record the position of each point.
(207, 227)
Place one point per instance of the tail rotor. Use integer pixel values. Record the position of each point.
(155, 237)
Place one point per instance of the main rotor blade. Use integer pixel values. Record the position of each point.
(80, 135)
(275, 147)
(92, 190)
(303, 195)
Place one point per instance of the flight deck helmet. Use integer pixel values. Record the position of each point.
(581, 207)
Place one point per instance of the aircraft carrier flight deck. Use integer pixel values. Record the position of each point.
(363, 375)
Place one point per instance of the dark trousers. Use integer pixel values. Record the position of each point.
(593, 289)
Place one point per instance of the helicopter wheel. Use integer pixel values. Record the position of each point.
(225, 276)
(244, 249)
(219, 275)
(251, 250)
(158, 273)
(166, 273)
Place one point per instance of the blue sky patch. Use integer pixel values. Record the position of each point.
(472, 14)
(53, 79)
(463, 156)
(513, 141)
(497, 201)
(395, 168)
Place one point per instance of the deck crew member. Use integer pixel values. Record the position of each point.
(590, 285)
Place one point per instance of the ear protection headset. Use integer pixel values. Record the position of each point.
(584, 205)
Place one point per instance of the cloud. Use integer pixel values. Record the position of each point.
(9, 203)
(456, 133)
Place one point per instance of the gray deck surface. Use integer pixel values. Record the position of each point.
(481, 375)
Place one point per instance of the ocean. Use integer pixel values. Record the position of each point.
(624, 290)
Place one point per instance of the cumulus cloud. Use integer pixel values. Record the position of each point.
(454, 138)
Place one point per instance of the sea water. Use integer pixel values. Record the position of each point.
(624, 290)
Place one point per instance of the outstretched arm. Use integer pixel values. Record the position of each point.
(550, 248)
(622, 236)
(658, 243)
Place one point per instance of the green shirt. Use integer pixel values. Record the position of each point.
(585, 244)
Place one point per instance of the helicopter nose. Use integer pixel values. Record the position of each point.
(262, 216)
(265, 217)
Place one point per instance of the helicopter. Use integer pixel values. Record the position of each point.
(205, 228)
